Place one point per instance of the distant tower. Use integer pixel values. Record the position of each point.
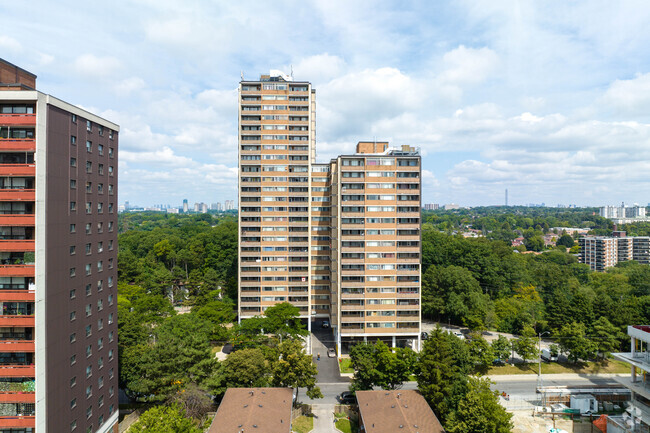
(506, 196)
(185, 206)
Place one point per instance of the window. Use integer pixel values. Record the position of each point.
(100, 382)
(73, 293)
(100, 305)
(100, 130)
(100, 227)
(89, 146)
(73, 403)
(110, 152)
(73, 424)
(110, 355)
(110, 226)
(74, 118)
(73, 272)
(110, 134)
(100, 285)
(89, 187)
(110, 318)
(110, 263)
(89, 330)
(110, 189)
(73, 382)
(100, 207)
(100, 402)
(100, 247)
(100, 324)
(73, 250)
(73, 206)
(89, 350)
(73, 140)
(110, 245)
(89, 207)
(111, 373)
(89, 371)
(89, 310)
(89, 393)
(110, 208)
(73, 162)
(89, 289)
(100, 343)
(73, 359)
(88, 269)
(73, 183)
(100, 188)
(88, 228)
(89, 167)
(89, 126)
(73, 337)
(100, 169)
(100, 362)
(110, 170)
(110, 336)
(73, 315)
(73, 228)
(88, 248)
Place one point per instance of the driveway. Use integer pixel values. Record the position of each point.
(323, 418)
(328, 368)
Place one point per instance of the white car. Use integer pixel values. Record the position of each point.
(459, 335)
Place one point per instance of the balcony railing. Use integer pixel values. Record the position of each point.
(17, 144)
(16, 321)
(17, 346)
(17, 370)
(18, 421)
(16, 271)
(17, 245)
(17, 169)
(17, 295)
(17, 220)
(15, 119)
(17, 397)
(17, 194)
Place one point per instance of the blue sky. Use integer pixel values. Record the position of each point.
(548, 99)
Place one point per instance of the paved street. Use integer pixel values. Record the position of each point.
(328, 369)
(526, 384)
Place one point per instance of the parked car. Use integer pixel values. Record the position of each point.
(424, 335)
(459, 335)
(547, 355)
(331, 353)
(347, 397)
(325, 324)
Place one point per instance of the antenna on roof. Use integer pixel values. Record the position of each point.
(292, 72)
(242, 75)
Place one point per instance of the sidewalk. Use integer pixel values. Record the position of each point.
(562, 376)
(323, 418)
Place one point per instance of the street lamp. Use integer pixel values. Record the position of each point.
(539, 370)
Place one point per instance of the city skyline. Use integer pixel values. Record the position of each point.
(547, 101)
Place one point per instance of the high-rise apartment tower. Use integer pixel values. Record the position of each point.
(58, 277)
(339, 240)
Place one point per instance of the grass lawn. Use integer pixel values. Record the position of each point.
(557, 368)
(344, 365)
(345, 425)
(303, 424)
(216, 349)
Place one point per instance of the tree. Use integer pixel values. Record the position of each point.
(440, 380)
(165, 419)
(501, 348)
(479, 411)
(194, 402)
(565, 241)
(574, 342)
(295, 369)
(246, 368)
(526, 344)
(283, 320)
(482, 353)
(376, 364)
(606, 337)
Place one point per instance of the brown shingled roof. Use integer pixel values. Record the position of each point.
(400, 411)
(259, 410)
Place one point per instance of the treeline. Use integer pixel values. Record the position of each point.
(183, 257)
(484, 284)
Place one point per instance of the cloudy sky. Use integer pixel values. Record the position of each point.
(548, 99)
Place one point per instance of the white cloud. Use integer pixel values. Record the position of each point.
(468, 65)
(9, 43)
(129, 85)
(96, 66)
(628, 97)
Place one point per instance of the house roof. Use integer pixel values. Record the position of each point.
(399, 411)
(259, 410)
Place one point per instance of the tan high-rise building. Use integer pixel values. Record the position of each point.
(339, 240)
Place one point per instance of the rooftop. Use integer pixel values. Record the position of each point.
(261, 410)
(399, 411)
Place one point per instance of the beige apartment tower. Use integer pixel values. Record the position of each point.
(339, 240)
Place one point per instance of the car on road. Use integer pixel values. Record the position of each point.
(331, 353)
(347, 397)
(325, 324)
(459, 334)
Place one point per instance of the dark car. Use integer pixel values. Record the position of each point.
(347, 397)
(424, 335)
(325, 324)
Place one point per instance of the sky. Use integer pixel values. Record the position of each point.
(550, 100)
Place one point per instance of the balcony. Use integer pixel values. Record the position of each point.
(17, 144)
(17, 245)
(17, 421)
(17, 169)
(17, 397)
(23, 119)
(16, 271)
(17, 194)
(17, 321)
(17, 295)
(17, 220)
(17, 370)
(17, 346)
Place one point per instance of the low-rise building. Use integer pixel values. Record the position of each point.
(263, 410)
(396, 411)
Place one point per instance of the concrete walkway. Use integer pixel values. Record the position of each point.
(323, 418)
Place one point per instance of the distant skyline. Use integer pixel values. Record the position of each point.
(548, 99)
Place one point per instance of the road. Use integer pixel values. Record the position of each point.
(514, 385)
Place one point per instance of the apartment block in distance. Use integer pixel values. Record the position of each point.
(339, 240)
(601, 252)
(58, 272)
